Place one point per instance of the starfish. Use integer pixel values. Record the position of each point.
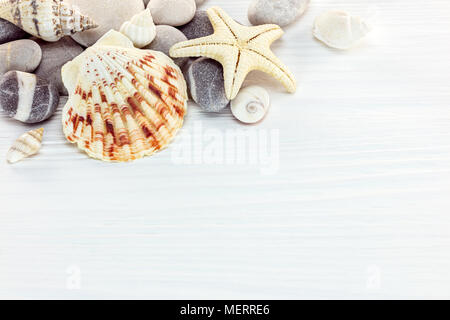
(240, 50)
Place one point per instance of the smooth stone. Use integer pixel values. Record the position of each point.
(166, 37)
(27, 98)
(199, 2)
(199, 27)
(280, 12)
(172, 12)
(21, 55)
(9, 32)
(146, 2)
(54, 56)
(108, 14)
(206, 84)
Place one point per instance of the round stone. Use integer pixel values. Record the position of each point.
(280, 12)
(166, 37)
(27, 98)
(206, 84)
(21, 55)
(199, 27)
(54, 56)
(9, 32)
(172, 12)
(108, 14)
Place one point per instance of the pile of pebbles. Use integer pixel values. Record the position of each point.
(30, 68)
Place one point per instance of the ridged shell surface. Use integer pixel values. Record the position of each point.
(27, 145)
(124, 103)
(49, 20)
(140, 29)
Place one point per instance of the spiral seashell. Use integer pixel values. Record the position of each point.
(124, 103)
(251, 104)
(140, 29)
(27, 145)
(339, 29)
(49, 20)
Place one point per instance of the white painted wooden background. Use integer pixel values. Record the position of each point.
(358, 208)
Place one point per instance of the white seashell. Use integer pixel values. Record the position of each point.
(140, 29)
(124, 103)
(49, 20)
(251, 104)
(339, 29)
(27, 145)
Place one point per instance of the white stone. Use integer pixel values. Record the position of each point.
(108, 14)
(172, 12)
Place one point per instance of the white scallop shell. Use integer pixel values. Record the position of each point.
(27, 145)
(124, 103)
(140, 29)
(339, 29)
(251, 104)
(49, 20)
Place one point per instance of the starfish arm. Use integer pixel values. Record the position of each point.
(222, 23)
(244, 65)
(209, 46)
(266, 61)
(265, 34)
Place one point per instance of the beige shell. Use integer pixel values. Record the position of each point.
(339, 29)
(27, 145)
(140, 29)
(49, 20)
(251, 104)
(124, 103)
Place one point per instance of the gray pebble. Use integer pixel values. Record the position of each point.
(9, 32)
(20, 55)
(199, 27)
(199, 2)
(166, 37)
(206, 84)
(172, 12)
(280, 12)
(27, 98)
(54, 56)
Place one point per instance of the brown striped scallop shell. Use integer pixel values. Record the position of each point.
(125, 103)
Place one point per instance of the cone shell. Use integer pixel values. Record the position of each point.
(49, 20)
(339, 29)
(140, 29)
(125, 103)
(27, 145)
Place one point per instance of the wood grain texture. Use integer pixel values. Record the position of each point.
(358, 208)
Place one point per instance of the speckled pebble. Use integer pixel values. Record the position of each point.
(27, 98)
(20, 55)
(54, 56)
(172, 12)
(206, 84)
(280, 12)
(199, 27)
(9, 32)
(166, 37)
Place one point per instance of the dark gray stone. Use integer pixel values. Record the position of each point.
(9, 32)
(54, 56)
(27, 98)
(199, 27)
(166, 37)
(206, 84)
